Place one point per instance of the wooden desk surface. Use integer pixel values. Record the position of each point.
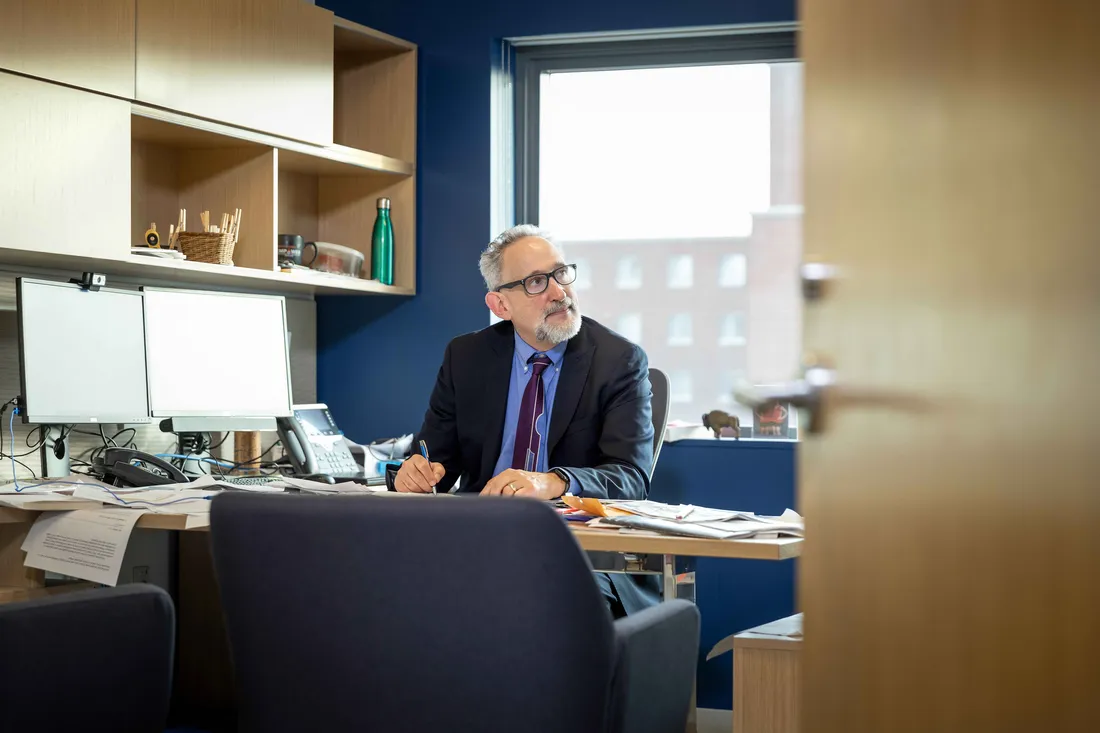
(604, 540)
(598, 540)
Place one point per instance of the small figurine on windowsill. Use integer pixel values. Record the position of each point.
(716, 420)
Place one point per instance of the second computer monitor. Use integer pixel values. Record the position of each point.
(216, 355)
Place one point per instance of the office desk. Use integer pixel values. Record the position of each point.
(14, 524)
(204, 674)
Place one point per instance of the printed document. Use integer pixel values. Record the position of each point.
(88, 543)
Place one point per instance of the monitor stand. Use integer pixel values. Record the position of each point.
(52, 466)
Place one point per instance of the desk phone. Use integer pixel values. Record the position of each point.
(314, 443)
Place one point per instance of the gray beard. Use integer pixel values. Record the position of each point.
(556, 333)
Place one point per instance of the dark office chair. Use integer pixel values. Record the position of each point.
(658, 380)
(426, 614)
(98, 659)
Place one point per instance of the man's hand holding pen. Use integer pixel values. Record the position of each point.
(418, 474)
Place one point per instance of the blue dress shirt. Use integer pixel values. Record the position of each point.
(521, 374)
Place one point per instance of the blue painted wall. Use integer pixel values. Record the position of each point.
(732, 595)
(377, 357)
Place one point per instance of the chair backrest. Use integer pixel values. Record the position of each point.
(110, 649)
(411, 613)
(658, 380)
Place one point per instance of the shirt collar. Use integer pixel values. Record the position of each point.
(525, 351)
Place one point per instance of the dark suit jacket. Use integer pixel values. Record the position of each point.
(601, 426)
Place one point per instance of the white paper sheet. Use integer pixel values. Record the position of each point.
(158, 501)
(680, 512)
(345, 487)
(50, 486)
(88, 543)
(38, 502)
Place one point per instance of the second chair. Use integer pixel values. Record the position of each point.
(391, 613)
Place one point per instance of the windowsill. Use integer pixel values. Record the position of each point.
(732, 444)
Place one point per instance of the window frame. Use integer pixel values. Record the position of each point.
(532, 57)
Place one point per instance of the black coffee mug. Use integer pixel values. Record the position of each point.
(291, 247)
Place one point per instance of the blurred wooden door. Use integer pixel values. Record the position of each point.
(951, 573)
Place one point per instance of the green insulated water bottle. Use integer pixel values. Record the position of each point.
(381, 245)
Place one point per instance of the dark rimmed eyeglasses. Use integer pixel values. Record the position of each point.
(537, 283)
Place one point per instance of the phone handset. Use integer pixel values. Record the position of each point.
(298, 448)
(125, 467)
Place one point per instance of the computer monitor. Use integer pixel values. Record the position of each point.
(217, 361)
(81, 354)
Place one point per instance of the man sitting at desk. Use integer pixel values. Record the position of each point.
(544, 403)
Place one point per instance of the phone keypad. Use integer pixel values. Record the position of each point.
(336, 462)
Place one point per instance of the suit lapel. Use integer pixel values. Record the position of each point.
(498, 374)
(574, 375)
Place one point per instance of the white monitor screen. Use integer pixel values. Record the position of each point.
(82, 354)
(216, 354)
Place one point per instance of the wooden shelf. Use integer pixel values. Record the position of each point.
(151, 271)
(152, 124)
(166, 136)
(325, 194)
(246, 277)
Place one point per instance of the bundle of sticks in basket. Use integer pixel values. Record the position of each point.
(213, 245)
(230, 224)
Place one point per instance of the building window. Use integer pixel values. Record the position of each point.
(733, 330)
(679, 330)
(681, 272)
(584, 274)
(733, 272)
(598, 123)
(628, 273)
(679, 389)
(629, 326)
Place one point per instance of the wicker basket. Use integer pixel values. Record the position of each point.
(217, 249)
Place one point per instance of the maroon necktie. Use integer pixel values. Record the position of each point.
(525, 455)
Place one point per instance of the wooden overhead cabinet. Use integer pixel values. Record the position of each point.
(85, 43)
(265, 65)
(65, 158)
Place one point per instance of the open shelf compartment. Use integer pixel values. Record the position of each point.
(374, 91)
(168, 175)
(341, 209)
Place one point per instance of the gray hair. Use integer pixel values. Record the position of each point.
(492, 258)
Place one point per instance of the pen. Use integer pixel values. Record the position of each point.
(424, 452)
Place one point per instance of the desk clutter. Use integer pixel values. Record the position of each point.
(213, 245)
(682, 520)
(85, 524)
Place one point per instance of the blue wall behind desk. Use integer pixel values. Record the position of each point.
(377, 357)
(732, 595)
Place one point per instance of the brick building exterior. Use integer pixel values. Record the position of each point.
(710, 311)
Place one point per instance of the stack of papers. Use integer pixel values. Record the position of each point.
(688, 520)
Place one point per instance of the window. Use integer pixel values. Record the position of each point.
(679, 330)
(733, 271)
(584, 273)
(679, 387)
(733, 330)
(628, 273)
(681, 271)
(667, 165)
(629, 326)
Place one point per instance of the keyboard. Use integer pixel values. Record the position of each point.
(250, 480)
